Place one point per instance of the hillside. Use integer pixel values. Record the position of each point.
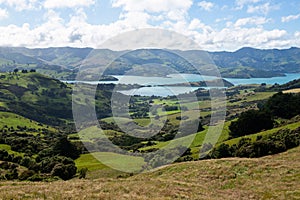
(271, 177)
(64, 63)
(35, 109)
(42, 98)
(36, 97)
(270, 60)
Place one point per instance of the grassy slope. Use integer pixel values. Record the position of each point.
(14, 120)
(271, 177)
(291, 126)
(92, 163)
(24, 93)
(8, 149)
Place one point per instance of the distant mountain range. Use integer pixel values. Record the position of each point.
(64, 62)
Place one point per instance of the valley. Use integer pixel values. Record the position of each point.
(54, 134)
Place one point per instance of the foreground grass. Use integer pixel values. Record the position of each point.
(271, 177)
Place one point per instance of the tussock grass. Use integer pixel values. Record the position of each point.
(271, 177)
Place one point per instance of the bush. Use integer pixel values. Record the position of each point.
(65, 172)
(64, 147)
(250, 122)
(82, 172)
(283, 105)
(35, 177)
(267, 145)
(12, 175)
(223, 151)
(48, 164)
(26, 174)
(170, 108)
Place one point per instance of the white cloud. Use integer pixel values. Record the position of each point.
(136, 14)
(78, 33)
(251, 21)
(50, 4)
(290, 18)
(261, 9)
(153, 5)
(223, 19)
(3, 14)
(175, 10)
(205, 5)
(242, 3)
(196, 24)
(20, 5)
(232, 39)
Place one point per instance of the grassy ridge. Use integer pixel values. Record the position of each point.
(271, 177)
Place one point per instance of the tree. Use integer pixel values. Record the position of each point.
(283, 105)
(65, 172)
(222, 151)
(250, 122)
(64, 147)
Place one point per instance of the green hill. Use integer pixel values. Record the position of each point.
(64, 63)
(42, 98)
(36, 97)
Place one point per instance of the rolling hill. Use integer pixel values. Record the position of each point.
(64, 63)
(42, 98)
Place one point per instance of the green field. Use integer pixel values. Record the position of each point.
(92, 161)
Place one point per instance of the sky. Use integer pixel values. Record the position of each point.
(216, 25)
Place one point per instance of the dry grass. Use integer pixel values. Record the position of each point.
(297, 90)
(271, 177)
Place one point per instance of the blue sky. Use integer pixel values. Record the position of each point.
(214, 24)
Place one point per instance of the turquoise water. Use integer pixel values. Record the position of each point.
(160, 90)
(279, 80)
(182, 78)
(170, 79)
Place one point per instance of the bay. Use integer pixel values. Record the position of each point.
(158, 88)
(165, 91)
(279, 80)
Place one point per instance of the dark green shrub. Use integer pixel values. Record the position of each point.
(82, 172)
(250, 122)
(65, 172)
(26, 174)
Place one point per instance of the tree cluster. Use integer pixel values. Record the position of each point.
(43, 158)
(263, 145)
(279, 105)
